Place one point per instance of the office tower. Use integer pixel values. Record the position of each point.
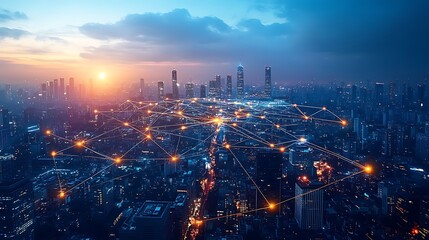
(392, 93)
(218, 86)
(62, 89)
(203, 91)
(71, 89)
(309, 205)
(422, 147)
(175, 84)
(44, 91)
(160, 90)
(56, 89)
(16, 210)
(354, 94)
(268, 176)
(103, 199)
(189, 90)
(268, 89)
(151, 221)
(141, 91)
(51, 90)
(421, 94)
(82, 93)
(212, 89)
(240, 82)
(229, 87)
(16, 199)
(379, 94)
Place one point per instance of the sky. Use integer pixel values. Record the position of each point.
(302, 40)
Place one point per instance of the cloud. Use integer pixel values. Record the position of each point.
(11, 33)
(178, 26)
(178, 36)
(6, 15)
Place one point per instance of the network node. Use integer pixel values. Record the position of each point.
(227, 146)
(174, 158)
(48, 132)
(148, 136)
(180, 112)
(182, 127)
(80, 143)
(344, 122)
(324, 108)
(306, 117)
(272, 145)
(282, 149)
(118, 160)
(234, 124)
(95, 111)
(277, 125)
(303, 139)
(53, 153)
(271, 206)
(62, 194)
(126, 124)
(368, 169)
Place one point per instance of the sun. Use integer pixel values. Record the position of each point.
(101, 75)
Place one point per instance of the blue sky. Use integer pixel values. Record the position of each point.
(302, 40)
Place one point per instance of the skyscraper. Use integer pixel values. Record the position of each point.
(212, 89)
(189, 90)
(71, 92)
(175, 86)
(203, 91)
(218, 86)
(228, 87)
(309, 205)
(268, 89)
(268, 176)
(141, 91)
(56, 89)
(379, 94)
(62, 88)
(240, 82)
(160, 90)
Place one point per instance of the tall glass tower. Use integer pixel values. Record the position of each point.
(175, 86)
(240, 82)
(268, 89)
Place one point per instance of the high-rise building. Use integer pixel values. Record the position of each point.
(422, 147)
(51, 90)
(71, 89)
(218, 86)
(56, 90)
(379, 94)
(160, 90)
(228, 86)
(141, 91)
(268, 176)
(44, 90)
(203, 91)
(175, 84)
(268, 88)
(309, 205)
(212, 89)
(151, 221)
(62, 88)
(240, 82)
(17, 210)
(189, 90)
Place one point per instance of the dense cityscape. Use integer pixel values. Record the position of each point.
(222, 160)
(214, 120)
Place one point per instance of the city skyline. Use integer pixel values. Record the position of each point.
(304, 41)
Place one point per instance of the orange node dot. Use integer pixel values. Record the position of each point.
(149, 111)
(306, 117)
(227, 146)
(147, 128)
(126, 124)
(234, 124)
(302, 139)
(262, 117)
(174, 158)
(248, 114)
(295, 105)
(48, 132)
(282, 149)
(53, 153)
(277, 126)
(180, 112)
(324, 108)
(272, 145)
(80, 143)
(62, 194)
(271, 206)
(95, 111)
(368, 169)
(183, 127)
(148, 136)
(343, 122)
(118, 160)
